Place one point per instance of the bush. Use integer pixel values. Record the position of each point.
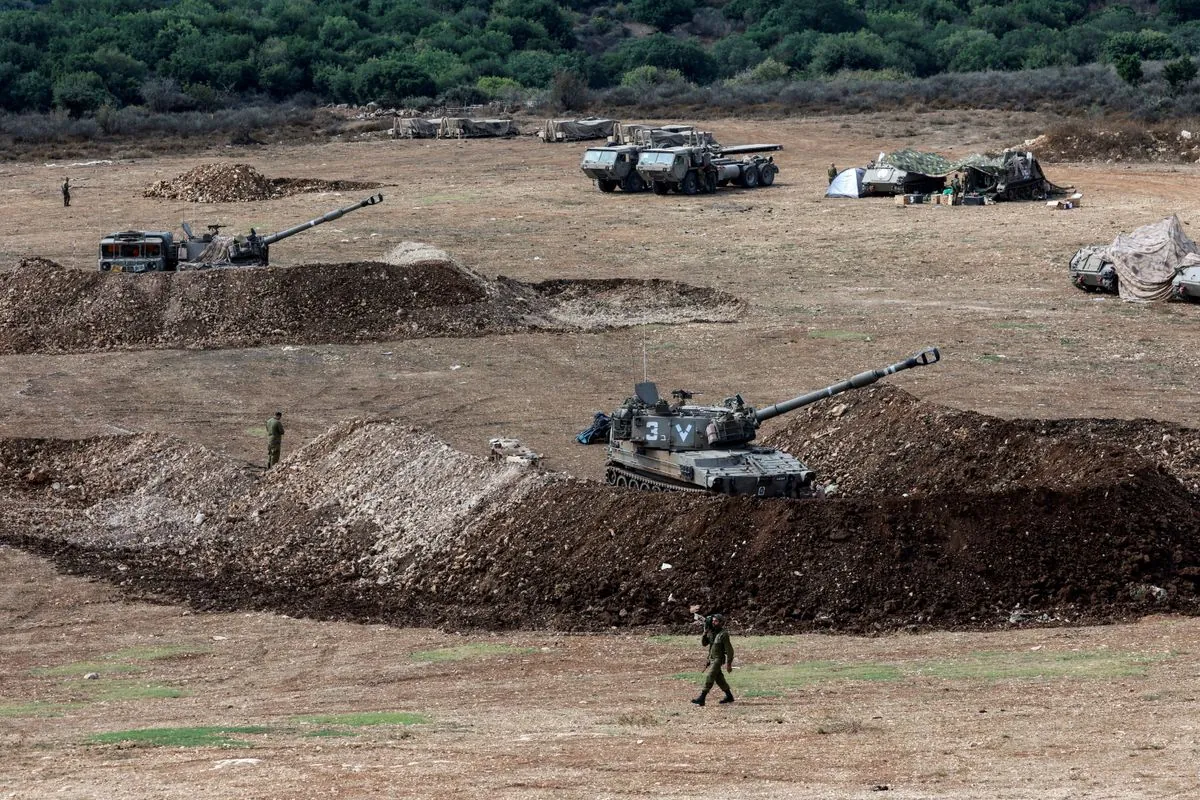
(647, 76)
(1179, 73)
(568, 91)
(1129, 67)
(662, 14)
(80, 92)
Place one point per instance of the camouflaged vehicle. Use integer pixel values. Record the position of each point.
(701, 169)
(659, 446)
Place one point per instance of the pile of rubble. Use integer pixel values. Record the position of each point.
(241, 183)
(416, 292)
(1078, 142)
(376, 521)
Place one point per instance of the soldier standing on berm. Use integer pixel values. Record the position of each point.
(274, 438)
(720, 653)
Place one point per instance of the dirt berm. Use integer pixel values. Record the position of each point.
(412, 293)
(376, 521)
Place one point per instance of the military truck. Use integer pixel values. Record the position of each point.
(615, 165)
(694, 169)
(158, 251)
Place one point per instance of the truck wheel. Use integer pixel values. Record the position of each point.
(766, 175)
(750, 177)
(690, 184)
(606, 185)
(661, 187)
(633, 183)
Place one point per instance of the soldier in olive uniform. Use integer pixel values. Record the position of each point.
(274, 438)
(833, 172)
(720, 653)
(66, 192)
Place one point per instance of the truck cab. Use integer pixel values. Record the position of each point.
(139, 251)
(613, 166)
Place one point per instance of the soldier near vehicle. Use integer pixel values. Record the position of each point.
(274, 438)
(66, 192)
(833, 172)
(720, 654)
(956, 187)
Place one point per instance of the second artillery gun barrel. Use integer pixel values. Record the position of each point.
(929, 355)
(332, 215)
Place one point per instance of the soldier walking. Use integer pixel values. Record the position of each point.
(274, 438)
(833, 172)
(66, 191)
(720, 653)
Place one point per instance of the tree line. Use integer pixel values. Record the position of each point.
(84, 55)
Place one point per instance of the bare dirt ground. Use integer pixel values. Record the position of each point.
(833, 287)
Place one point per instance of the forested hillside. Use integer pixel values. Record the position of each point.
(81, 55)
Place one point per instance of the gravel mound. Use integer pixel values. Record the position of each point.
(1026, 522)
(241, 183)
(45, 308)
(1078, 141)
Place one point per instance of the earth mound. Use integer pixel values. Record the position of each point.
(378, 521)
(241, 183)
(1078, 141)
(45, 308)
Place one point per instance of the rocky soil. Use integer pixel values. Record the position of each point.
(1012, 522)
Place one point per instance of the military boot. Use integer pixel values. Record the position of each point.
(728, 698)
(700, 700)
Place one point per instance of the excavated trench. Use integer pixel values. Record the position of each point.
(413, 293)
(945, 519)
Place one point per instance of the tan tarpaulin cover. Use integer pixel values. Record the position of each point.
(576, 130)
(1147, 260)
(413, 128)
(464, 126)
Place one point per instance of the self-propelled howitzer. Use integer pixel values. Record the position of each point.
(658, 446)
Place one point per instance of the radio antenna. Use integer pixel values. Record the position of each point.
(645, 369)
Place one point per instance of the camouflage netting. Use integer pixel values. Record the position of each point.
(45, 308)
(1147, 260)
(938, 166)
(242, 183)
(947, 519)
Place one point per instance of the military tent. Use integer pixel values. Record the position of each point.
(413, 128)
(848, 183)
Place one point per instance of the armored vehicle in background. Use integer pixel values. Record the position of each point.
(693, 169)
(1092, 270)
(657, 446)
(1186, 285)
(158, 251)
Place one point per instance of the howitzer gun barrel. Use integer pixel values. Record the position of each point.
(332, 215)
(928, 356)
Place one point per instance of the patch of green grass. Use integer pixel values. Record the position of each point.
(37, 708)
(125, 690)
(840, 336)
(761, 693)
(329, 733)
(993, 358)
(216, 736)
(157, 653)
(119, 661)
(466, 652)
(1040, 664)
(84, 667)
(779, 677)
(1020, 326)
(365, 718)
